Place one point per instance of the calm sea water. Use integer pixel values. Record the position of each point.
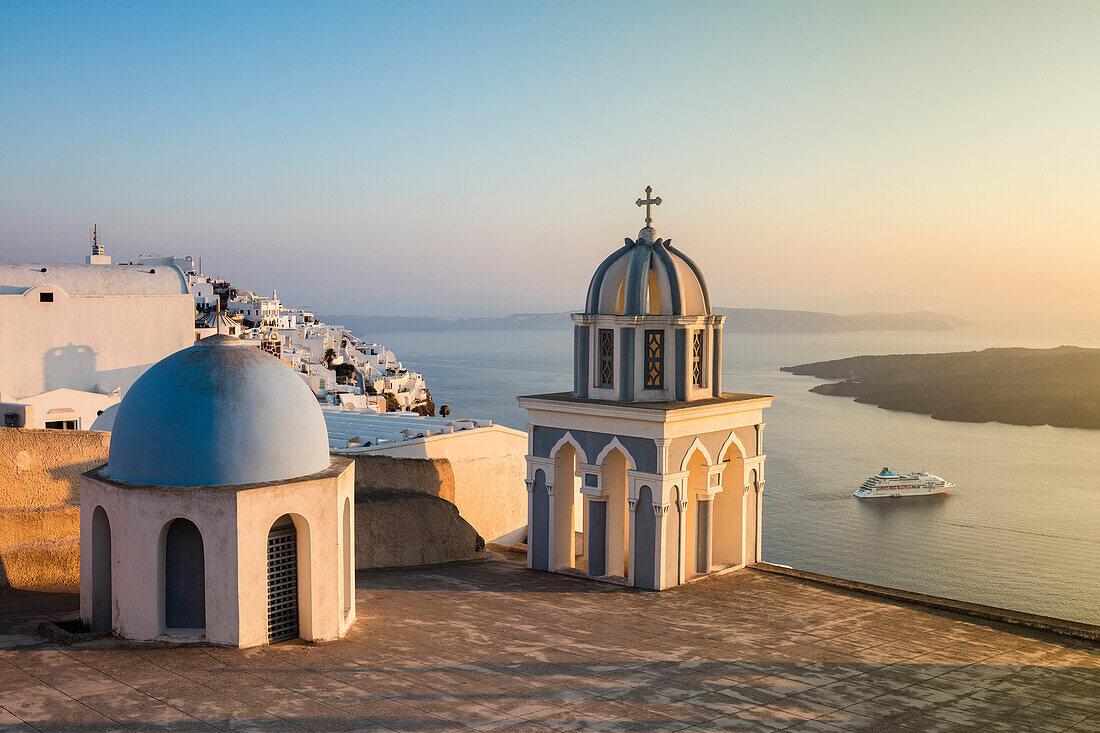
(1020, 530)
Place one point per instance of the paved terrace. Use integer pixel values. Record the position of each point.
(492, 646)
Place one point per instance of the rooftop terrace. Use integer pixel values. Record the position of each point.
(491, 645)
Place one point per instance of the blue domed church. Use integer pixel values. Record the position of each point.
(647, 473)
(220, 516)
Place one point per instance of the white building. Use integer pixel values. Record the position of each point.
(220, 515)
(58, 409)
(92, 328)
(256, 310)
(202, 289)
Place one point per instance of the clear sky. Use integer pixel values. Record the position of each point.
(480, 159)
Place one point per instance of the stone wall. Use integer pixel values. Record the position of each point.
(39, 504)
(403, 528)
(480, 471)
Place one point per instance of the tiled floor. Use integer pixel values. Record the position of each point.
(491, 645)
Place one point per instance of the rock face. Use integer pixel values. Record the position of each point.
(1058, 387)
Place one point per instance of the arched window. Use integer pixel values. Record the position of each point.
(184, 577)
(101, 571)
(282, 580)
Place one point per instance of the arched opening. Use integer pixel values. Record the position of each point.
(349, 560)
(751, 498)
(653, 296)
(729, 507)
(645, 540)
(673, 540)
(184, 578)
(613, 475)
(538, 533)
(570, 511)
(101, 571)
(697, 519)
(282, 580)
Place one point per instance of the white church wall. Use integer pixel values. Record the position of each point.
(87, 342)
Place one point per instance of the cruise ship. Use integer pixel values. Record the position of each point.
(888, 483)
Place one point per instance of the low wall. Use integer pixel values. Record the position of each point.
(480, 471)
(40, 504)
(404, 528)
(41, 468)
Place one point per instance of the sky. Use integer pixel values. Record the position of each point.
(483, 158)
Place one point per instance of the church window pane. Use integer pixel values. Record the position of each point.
(654, 359)
(607, 357)
(697, 359)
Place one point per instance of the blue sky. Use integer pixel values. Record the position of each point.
(481, 158)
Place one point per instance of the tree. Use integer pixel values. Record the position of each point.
(344, 372)
(445, 411)
(328, 358)
(392, 405)
(371, 390)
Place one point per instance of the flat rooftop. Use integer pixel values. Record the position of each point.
(726, 398)
(491, 645)
(354, 428)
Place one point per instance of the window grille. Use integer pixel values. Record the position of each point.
(282, 584)
(607, 357)
(654, 359)
(697, 359)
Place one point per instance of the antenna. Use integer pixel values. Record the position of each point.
(97, 248)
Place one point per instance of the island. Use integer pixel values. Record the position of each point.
(1058, 387)
(738, 320)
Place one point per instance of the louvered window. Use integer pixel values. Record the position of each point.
(607, 357)
(697, 359)
(654, 359)
(282, 583)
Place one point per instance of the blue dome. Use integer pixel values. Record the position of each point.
(648, 277)
(218, 413)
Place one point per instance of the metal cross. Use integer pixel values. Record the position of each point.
(648, 202)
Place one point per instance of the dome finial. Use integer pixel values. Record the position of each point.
(648, 202)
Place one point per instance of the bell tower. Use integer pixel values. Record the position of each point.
(647, 333)
(647, 472)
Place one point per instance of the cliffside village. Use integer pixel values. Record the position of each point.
(342, 370)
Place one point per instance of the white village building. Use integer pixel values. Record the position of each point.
(75, 337)
(647, 472)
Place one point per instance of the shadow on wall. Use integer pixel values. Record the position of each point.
(74, 366)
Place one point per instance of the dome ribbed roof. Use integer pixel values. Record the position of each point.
(218, 413)
(648, 277)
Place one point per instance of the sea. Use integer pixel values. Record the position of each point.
(1020, 530)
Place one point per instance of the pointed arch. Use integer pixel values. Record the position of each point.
(568, 438)
(696, 445)
(731, 441)
(615, 444)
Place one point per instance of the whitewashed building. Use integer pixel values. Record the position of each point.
(90, 328)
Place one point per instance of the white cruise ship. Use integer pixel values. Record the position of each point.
(888, 483)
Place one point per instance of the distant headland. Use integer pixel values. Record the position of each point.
(1059, 387)
(738, 320)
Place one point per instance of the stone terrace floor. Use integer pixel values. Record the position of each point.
(492, 646)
